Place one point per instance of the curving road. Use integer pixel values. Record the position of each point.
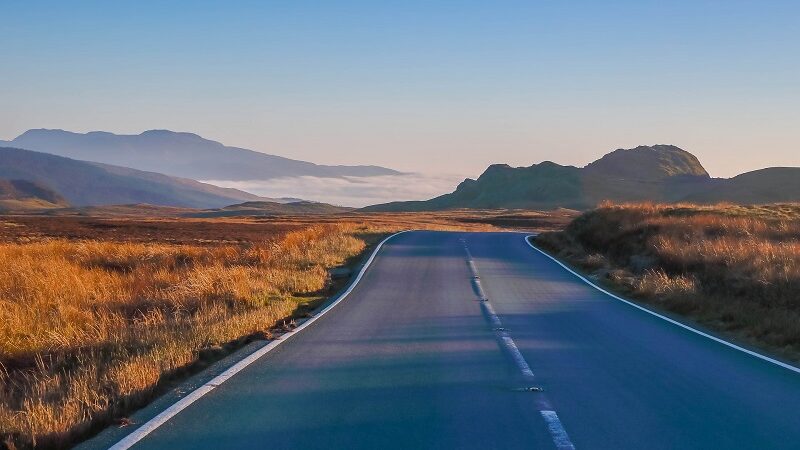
(414, 359)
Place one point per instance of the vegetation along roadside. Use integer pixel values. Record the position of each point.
(96, 328)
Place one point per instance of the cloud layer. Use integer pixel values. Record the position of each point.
(350, 191)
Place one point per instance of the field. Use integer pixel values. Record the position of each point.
(733, 269)
(101, 314)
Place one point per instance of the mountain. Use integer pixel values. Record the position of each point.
(23, 195)
(771, 185)
(180, 154)
(660, 173)
(87, 183)
(648, 163)
(262, 208)
(501, 186)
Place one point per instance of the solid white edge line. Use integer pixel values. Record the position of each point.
(672, 321)
(557, 431)
(148, 427)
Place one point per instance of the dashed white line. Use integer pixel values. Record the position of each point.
(519, 360)
(507, 341)
(479, 289)
(493, 318)
(557, 431)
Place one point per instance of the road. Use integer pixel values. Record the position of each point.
(414, 359)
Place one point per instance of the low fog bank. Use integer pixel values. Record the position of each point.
(350, 191)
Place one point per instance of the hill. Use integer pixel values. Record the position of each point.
(661, 173)
(501, 186)
(85, 183)
(24, 195)
(771, 185)
(648, 163)
(180, 154)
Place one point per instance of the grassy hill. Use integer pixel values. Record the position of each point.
(771, 185)
(501, 186)
(85, 183)
(25, 195)
(648, 163)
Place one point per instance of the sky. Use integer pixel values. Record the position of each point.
(444, 87)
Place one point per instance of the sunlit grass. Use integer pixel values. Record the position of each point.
(90, 328)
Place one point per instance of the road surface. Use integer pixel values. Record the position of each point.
(414, 359)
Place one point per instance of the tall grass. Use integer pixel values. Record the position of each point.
(90, 328)
(734, 268)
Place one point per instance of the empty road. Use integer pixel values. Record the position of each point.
(414, 358)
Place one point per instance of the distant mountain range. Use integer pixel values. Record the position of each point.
(180, 154)
(84, 183)
(661, 173)
(32, 180)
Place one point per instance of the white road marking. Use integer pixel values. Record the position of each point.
(557, 431)
(475, 278)
(493, 318)
(479, 289)
(672, 321)
(508, 343)
(148, 427)
(519, 360)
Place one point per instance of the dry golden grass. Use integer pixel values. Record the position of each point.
(90, 328)
(734, 268)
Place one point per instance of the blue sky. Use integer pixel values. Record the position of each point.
(445, 87)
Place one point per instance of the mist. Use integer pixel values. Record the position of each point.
(350, 191)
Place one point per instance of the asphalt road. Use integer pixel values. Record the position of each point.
(413, 359)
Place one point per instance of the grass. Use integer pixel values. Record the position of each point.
(734, 269)
(92, 328)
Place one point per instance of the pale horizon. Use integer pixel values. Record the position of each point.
(466, 173)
